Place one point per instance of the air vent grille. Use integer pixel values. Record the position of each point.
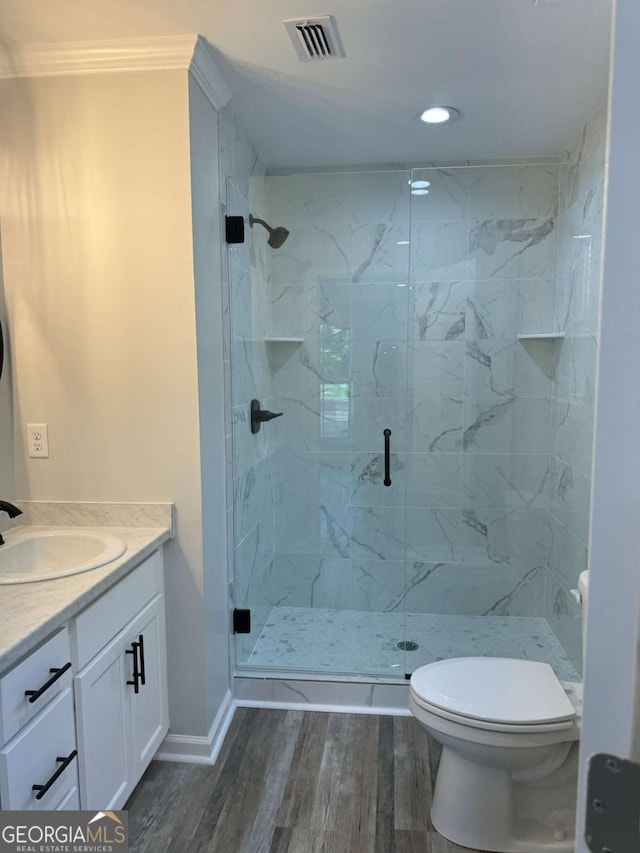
(315, 39)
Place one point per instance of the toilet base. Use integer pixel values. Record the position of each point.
(487, 809)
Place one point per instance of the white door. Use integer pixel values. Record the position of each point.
(148, 708)
(101, 719)
(612, 680)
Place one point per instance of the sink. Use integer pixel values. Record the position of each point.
(39, 555)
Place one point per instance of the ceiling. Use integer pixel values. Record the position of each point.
(524, 75)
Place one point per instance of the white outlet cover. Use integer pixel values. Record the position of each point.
(38, 441)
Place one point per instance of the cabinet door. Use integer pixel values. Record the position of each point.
(101, 718)
(148, 708)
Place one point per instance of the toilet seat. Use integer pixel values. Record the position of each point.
(495, 694)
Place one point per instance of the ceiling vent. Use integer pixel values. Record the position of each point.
(315, 38)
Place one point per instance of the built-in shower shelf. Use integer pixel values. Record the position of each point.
(545, 336)
(274, 340)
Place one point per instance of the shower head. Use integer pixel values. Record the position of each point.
(277, 236)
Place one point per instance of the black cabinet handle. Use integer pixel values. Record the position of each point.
(42, 789)
(142, 670)
(58, 672)
(387, 459)
(136, 671)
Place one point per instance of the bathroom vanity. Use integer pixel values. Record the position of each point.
(83, 691)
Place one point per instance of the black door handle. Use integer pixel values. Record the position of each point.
(387, 459)
(58, 672)
(143, 678)
(136, 671)
(260, 416)
(66, 761)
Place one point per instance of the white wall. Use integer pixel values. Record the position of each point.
(7, 485)
(99, 282)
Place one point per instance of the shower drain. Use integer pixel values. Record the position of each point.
(407, 646)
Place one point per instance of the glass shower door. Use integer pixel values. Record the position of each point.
(320, 333)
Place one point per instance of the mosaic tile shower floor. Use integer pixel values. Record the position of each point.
(359, 641)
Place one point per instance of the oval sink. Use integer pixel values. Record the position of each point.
(40, 555)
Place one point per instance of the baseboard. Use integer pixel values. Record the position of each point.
(200, 750)
(327, 709)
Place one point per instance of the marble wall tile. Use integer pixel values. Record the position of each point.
(434, 535)
(434, 424)
(253, 497)
(574, 437)
(507, 368)
(575, 375)
(378, 369)
(512, 537)
(571, 496)
(370, 416)
(511, 192)
(568, 556)
(308, 310)
(303, 371)
(507, 425)
(474, 590)
(254, 566)
(507, 481)
(314, 255)
(250, 370)
(439, 251)
(437, 311)
(417, 480)
(448, 197)
(308, 424)
(512, 248)
(377, 585)
(312, 515)
(379, 253)
(564, 616)
(501, 309)
(436, 368)
(302, 580)
(378, 312)
(377, 533)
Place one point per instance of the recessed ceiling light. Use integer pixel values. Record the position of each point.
(402, 242)
(420, 185)
(439, 115)
(419, 192)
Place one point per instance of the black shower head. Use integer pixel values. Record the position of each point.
(277, 236)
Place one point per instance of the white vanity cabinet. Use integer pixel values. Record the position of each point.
(120, 686)
(82, 715)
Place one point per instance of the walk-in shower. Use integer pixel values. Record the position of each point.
(425, 493)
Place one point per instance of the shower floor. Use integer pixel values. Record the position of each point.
(359, 641)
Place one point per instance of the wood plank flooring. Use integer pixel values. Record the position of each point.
(296, 782)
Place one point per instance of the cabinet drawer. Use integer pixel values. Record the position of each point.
(31, 758)
(101, 621)
(34, 673)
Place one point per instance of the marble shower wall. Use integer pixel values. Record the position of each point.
(580, 224)
(410, 307)
(250, 503)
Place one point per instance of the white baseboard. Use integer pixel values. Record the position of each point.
(327, 709)
(200, 750)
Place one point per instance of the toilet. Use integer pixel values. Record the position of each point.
(510, 731)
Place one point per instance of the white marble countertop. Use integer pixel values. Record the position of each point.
(30, 612)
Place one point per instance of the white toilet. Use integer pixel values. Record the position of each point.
(510, 732)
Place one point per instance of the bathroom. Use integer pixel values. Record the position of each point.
(443, 283)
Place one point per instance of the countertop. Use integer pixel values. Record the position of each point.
(30, 612)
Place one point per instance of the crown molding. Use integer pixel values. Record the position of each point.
(206, 72)
(186, 52)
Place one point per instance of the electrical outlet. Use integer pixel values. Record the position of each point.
(38, 441)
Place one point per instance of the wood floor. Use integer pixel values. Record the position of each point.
(296, 782)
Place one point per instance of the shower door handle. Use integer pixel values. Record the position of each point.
(387, 457)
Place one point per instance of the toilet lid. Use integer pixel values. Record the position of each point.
(498, 690)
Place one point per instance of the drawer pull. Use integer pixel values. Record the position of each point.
(58, 672)
(42, 789)
(136, 671)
